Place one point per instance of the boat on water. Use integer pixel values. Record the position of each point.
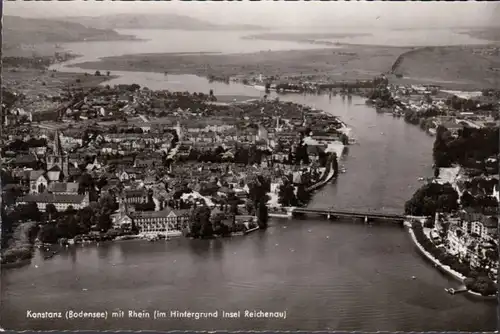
(152, 238)
(452, 291)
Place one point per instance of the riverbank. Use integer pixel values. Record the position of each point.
(444, 268)
(330, 172)
(456, 275)
(20, 247)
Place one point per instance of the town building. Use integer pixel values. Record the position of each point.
(160, 222)
(61, 201)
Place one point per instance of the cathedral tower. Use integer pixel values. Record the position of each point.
(58, 158)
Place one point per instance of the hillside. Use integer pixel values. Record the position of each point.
(154, 21)
(19, 31)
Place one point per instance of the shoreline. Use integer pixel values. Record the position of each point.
(233, 64)
(349, 62)
(455, 275)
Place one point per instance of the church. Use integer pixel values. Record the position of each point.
(57, 160)
(48, 186)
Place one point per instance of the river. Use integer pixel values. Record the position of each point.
(327, 275)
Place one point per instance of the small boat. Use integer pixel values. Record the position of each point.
(413, 277)
(451, 291)
(421, 179)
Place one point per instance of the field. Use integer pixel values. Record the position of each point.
(32, 82)
(348, 63)
(459, 66)
(468, 68)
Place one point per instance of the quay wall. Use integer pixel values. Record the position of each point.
(459, 277)
(452, 273)
(327, 176)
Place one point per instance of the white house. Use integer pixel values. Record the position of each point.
(38, 181)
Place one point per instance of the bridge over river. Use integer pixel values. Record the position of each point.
(332, 213)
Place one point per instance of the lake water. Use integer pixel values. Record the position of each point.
(327, 275)
(173, 41)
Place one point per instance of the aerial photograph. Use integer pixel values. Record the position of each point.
(240, 166)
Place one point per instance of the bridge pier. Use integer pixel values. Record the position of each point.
(328, 216)
(366, 219)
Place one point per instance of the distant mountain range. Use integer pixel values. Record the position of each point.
(20, 30)
(154, 21)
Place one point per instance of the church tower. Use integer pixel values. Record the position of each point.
(58, 158)
(178, 130)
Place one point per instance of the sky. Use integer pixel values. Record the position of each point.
(280, 13)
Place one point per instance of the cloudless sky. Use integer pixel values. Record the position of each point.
(280, 13)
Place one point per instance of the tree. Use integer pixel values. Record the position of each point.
(86, 215)
(70, 210)
(286, 194)
(201, 227)
(303, 196)
(250, 207)
(440, 149)
(48, 233)
(97, 73)
(268, 87)
(467, 200)
(104, 222)
(85, 183)
(29, 211)
(51, 210)
(344, 139)
(106, 206)
(431, 198)
(262, 215)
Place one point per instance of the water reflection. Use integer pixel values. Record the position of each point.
(200, 248)
(103, 250)
(218, 248)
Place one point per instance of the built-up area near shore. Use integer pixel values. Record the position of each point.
(89, 164)
(84, 162)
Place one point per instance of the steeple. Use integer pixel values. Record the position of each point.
(58, 158)
(57, 144)
(178, 129)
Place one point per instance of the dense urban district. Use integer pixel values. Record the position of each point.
(83, 162)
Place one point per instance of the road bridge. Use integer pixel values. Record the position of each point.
(331, 213)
